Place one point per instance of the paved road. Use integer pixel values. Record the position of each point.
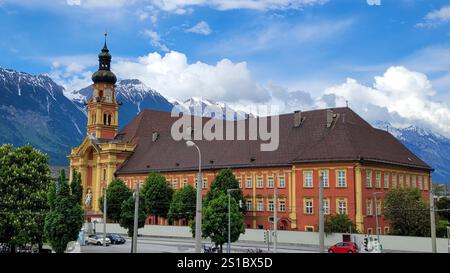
(184, 245)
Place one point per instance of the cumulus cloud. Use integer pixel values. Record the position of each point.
(400, 95)
(99, 3)
(155, 39)
(174, 77)
(374, 2)
(436, 17)
(200, 28)
(183, 6)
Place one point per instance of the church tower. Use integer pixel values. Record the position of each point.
(103, 121)
(100, 154)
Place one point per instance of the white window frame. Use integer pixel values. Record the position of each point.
(270, 182)
(368, 179)
(260, 205)
(338, 178)
(378, 180)
(270, 205)
(326, 178)
(282, 205)
(249, 205)
(309, 206)
(326, 206)
(308, 179)
(339, 207)
(248, 183)
(259, 182)
(386, 180)
(281, 182)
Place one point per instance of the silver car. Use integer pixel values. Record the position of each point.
(97, 240)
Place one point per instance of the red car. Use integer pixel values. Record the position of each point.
(344, 247)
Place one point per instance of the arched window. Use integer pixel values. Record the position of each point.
(109, 119)
(100, 93)
(104, 119)
(104, 174)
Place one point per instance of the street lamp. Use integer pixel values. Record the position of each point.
(229, 218)
(376, 214)
(321, 213)
(198, 216)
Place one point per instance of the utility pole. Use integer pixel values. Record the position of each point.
(104, 216)
(376, 215)
(275, 219)
(198, 207)
(321, 223)
(433, 222)
(136, 214)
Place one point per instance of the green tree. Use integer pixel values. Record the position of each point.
(127, 214)
(76, 187)
(407, 212)
(65, 218)
(215, 220)
(24, 181)
(116, 193)
(157, 195)
(339, 223)
(225, 180)
(183, 204)
(443, 205)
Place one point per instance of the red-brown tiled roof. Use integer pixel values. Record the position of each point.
(350, 138)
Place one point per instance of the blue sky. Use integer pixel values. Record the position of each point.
(297, 53)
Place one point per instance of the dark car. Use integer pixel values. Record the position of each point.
(116, 239)
(344, 247)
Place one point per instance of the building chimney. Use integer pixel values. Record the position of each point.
(155, 136)
(330, 116)
(297, 118)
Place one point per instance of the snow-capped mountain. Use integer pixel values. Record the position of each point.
(207, 108)
(33, 109)
(431, 147)
(133, 95)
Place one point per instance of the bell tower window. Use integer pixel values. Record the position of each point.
(108, 95)
(109, 119)
(104, 119)
(100, 93)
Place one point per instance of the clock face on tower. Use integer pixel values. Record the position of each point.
(108, 95)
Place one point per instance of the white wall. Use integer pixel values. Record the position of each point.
(397, 243)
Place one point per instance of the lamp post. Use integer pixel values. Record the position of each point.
(104, 217)
(321, 220)
(229, 219)
(376, 214)
(198, 216)
(136, 218)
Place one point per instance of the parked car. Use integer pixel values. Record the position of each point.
(344, 247)
(116, 239)
(97, 240)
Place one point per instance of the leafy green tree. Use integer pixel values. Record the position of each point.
(339, 223)
(76, 187)
(183, 204)
(116, 193)
(157, 195)
(443, 205)
(127, 214)
(407, 212)
(65, 218)
(215, 220)
(225, 180)
(24, 181)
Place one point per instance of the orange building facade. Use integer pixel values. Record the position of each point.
(354, 159)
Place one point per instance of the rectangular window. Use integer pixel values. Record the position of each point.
(249, 205)
(401, 181)
(282, 205)
(309, 228)
(386, 230)
(270, 182)
(260, 182)
(325, 178)
(281, 182)
(419, 181)
(184, 182)
(394, 180)
(205, 183)
(271, 205)
(307, 179)
(369, 231)
(308, 206)
(326, 206)
(240, 182)
(260, 205)
(369, 207)
(386, 180)
(413, 182)
(342, 206)
(175, 183)
(378, 207)
(377, 180)
(249, 183)
(341, 179)
(368, 179)
(425, 183)
(407, 185)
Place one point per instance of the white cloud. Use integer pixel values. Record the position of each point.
(155, 39)
(436, 17)
(401, 94)
(99, 3)
(374, 2)
(174, 77)
(182, 6)
(200, 28)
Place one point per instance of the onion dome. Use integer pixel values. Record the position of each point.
(104, 74)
